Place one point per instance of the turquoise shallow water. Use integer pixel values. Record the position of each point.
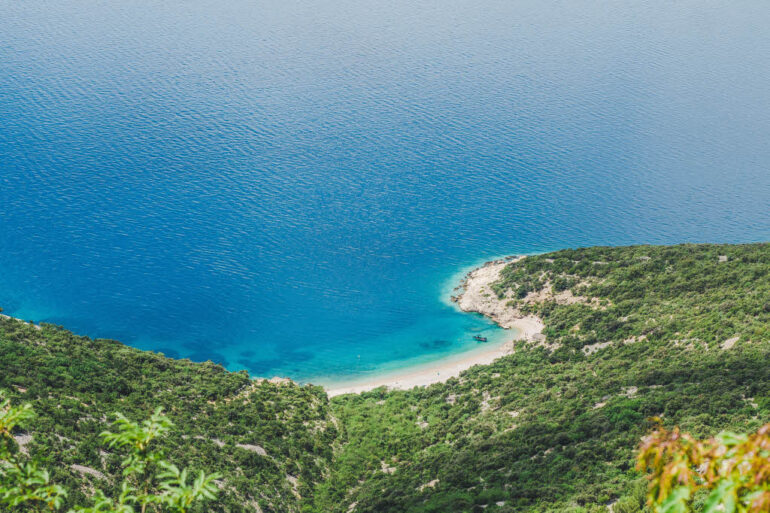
(289, 187)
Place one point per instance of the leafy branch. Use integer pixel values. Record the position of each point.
(733, 469)
(150, 483)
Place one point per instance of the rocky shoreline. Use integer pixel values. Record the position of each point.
(476, 295)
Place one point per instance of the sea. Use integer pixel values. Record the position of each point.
(295, 187)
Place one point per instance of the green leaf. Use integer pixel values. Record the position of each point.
(676, 502)
(721, 499)
(730, 439)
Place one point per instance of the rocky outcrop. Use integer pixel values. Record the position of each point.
(477, 296)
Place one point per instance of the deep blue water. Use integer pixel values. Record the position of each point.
(289, 187)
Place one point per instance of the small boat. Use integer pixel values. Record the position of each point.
(480, 338)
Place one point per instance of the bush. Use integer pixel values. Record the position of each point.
(150, 482)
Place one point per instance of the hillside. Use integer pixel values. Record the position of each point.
(554, 428)
(681, 332)
(271, 441)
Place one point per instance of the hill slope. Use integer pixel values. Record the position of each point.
(271, 441)
(548, 430)
(681, 332)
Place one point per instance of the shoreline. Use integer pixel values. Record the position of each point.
(475, 297)
(36, 326)
(424, 374)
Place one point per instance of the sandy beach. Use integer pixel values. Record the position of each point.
(427, 374)
(475, 296)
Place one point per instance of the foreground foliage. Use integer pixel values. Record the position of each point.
(731, 472)
(151, 484)
(23, 484)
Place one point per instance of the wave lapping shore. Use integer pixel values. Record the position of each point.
(476, 296)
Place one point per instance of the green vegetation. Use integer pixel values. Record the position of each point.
(680, 332)
(151, 484)
(729, 473)
(545, 430)
(271, 442)
(22, 482)
(696, 295)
